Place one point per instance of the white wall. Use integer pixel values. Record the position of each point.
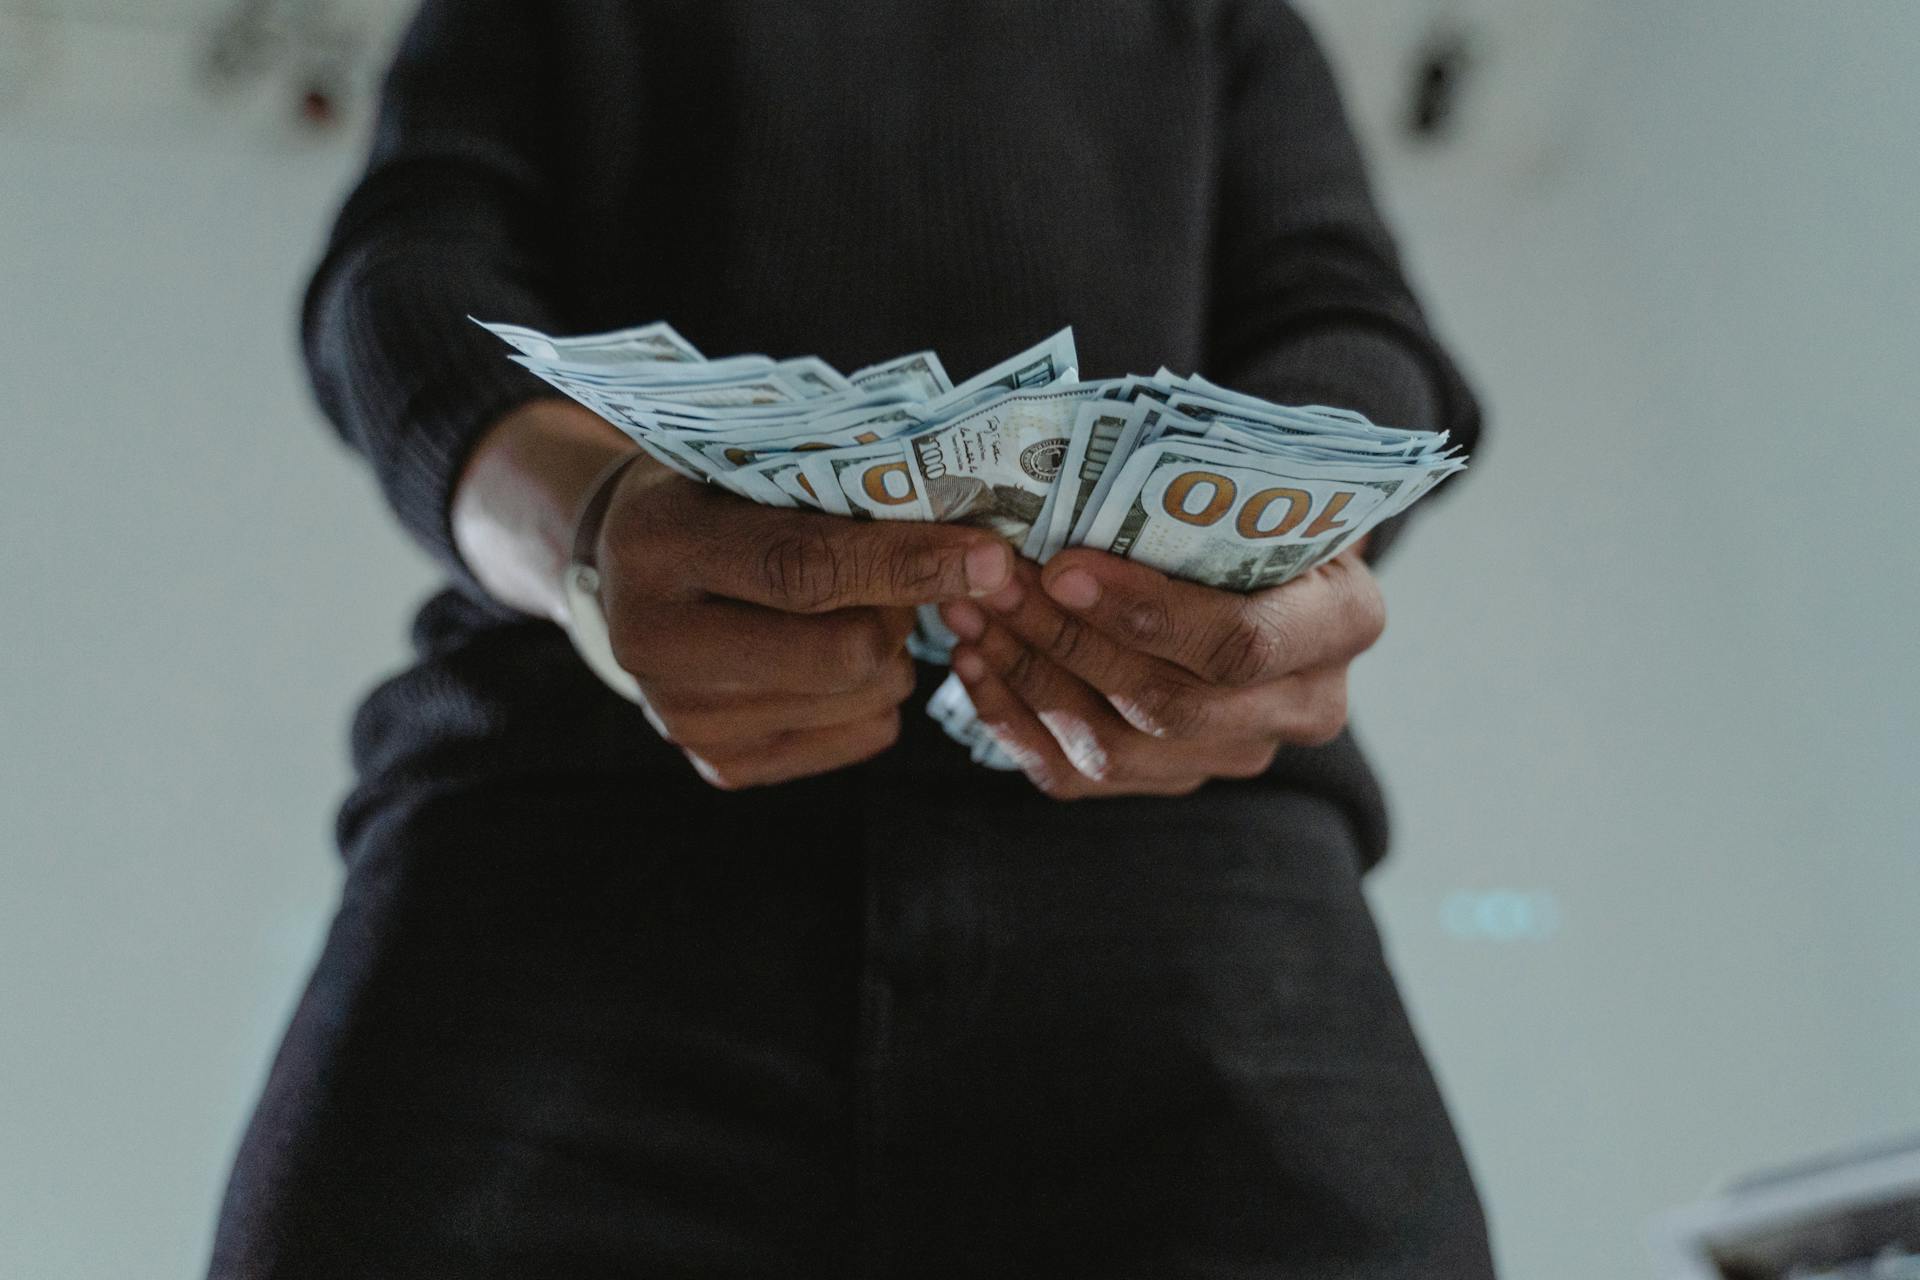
(197, 583)
(1655, 661)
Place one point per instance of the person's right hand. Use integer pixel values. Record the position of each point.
(770, 644)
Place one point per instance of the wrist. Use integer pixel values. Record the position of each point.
(518, 500)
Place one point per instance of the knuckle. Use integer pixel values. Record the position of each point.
(1021, 670)
(1173, 710)
(802, 569)
(1145, 622)
(1243, 650)
(1371, 609)
(1250, 761)
(901, 681)
(1330, 713)
(1360, 599)
(860, 650)
(1323, 715)
(911, 567)
(1069, 638)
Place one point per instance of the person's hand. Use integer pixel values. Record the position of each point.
(769, 644)
(1100, 676)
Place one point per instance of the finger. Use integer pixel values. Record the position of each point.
(1075, 645)
(1021, 733)
(1152, 695)
(736, 650)
(1089, 732)
(1308, 709)
(1107, 749)
(805, 562)
(1015, 727)
(1326, 616)
(800, 754)
(1236, 727)
(706, 724)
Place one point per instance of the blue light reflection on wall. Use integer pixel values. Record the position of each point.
(1500, 915)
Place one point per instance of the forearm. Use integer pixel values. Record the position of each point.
(453, 218)
(516, 500)
(1311, 303)
(1352, 366)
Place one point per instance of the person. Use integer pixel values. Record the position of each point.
(767, 978)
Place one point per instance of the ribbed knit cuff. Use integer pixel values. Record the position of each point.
(1369, 369)
(411, 381)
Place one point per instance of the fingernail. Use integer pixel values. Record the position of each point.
(988, 565)
(1076, 740)
(1006, 599)
(968, 666)
(1136, 715)
(1076, 589)
(964, 620)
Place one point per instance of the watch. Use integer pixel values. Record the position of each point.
(586, 619)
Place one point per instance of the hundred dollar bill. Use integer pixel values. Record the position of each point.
(767, 466)
(1233, 519)
(656, 341)
(672, 460)
(1227, 396)
(992, 465)
(728, 448)
(880, 480)
(813, 376)
(652, 373)
(805, 378)
(919, 373)
(1290, 430)
(626, 407)
(1256, 437)
(1049, 361)
(1104, 435)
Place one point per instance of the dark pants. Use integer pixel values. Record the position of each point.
(571, 1027)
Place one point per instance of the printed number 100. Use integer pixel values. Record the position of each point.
(1207, 497)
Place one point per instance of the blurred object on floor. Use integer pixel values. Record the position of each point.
(1851, 1216)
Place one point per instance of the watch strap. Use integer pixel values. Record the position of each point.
(586, 618)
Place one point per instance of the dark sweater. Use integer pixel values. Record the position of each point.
(855, 178)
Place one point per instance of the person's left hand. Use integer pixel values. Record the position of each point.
(1101, 677)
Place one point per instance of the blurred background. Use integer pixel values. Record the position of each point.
(1648, 709)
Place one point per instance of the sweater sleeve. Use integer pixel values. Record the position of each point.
(449, 221)
(1310, 304)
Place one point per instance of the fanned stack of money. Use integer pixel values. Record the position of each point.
(1198, 481)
